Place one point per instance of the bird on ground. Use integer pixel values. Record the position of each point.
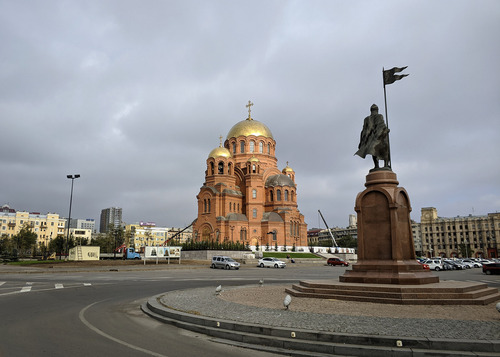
(261, 282)
(287, 301)
(218, 290)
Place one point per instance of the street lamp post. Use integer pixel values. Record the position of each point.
(72, 178)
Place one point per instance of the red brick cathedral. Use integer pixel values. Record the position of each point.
(245, 197)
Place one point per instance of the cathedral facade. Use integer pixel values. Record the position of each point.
(245, 197)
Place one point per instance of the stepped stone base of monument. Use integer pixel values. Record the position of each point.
(443, 293)
(388, 272)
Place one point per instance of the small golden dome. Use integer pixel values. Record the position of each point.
(253, 159)
(220, 151)
(287, 168)
(249, 127)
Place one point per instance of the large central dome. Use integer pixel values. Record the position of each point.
(249, 127)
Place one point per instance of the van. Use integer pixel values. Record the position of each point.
(223, 262)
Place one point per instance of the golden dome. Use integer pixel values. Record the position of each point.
(253, 159)
(220, 151)
(287, 168)
(249, 127)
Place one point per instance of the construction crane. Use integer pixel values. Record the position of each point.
(329, 231)
(176, 234)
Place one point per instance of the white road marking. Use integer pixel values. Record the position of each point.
(29, 288)
(81, 315)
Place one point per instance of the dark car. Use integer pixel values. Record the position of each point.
(337, 261)
(448, 266)
(491, 268)
(455, 265)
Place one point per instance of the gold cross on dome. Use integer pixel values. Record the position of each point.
(220, 139)
(249, 109)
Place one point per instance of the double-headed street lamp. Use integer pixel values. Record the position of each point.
(72, 178)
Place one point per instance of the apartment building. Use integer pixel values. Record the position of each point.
(146, 234)
(444, 236)
(46, 226)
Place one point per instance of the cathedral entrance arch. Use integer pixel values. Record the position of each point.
(206, 233)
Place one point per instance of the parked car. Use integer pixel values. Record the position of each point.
(454, 265)
(491, 268)
(463, 264)
(474, 262)
(467, 264)
(224, 262)
(448, 266)
(271, 262)
(434, 264)
(485, 261)
(424, 266)
(337, 261)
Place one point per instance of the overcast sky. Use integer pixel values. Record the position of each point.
(133, 95)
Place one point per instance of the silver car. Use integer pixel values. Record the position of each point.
(224, 262)
(271, 262)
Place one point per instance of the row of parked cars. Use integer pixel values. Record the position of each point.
(223, 262)
(490, 266)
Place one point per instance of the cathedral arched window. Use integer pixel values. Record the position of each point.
(254, 170)
(278, 195)
(261, 147)
(238, 207)
(221, 168)
(254, 213)
(230, 206)
(254, 193)
(268, 149)
(252, 146)
(286, 195)
(234, 148)
(291, 228)
(204, 206)
(212, 170)
(243, 234)
(229, 169)
(242, 147)
(271, 196)
(293, 197)
(209, 205)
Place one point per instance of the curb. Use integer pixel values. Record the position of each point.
(300, 342)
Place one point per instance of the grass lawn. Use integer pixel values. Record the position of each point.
(283, 255)
(36, 262)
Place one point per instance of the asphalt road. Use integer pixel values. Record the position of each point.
(97, 313)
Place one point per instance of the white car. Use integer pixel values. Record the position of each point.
(271, 262)
(468, 265)
(475, 263)
(434, 264)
